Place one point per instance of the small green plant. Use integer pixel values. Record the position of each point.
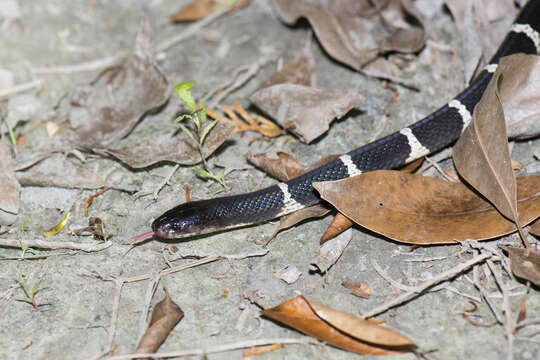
(29, 292)
(202, 126)
(25, 249)
(10, 131)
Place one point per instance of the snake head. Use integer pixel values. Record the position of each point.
(181, 221)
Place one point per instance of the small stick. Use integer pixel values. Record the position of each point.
(56, 245)
(448, 274)
(103, 63)
(219, 348)
(191, 30)
(4, 93)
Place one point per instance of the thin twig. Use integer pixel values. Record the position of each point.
(150, 291)
(191, 30)
(426, 285)
(165, 181)
(439, 169)
(56, 245)
(440, 156)
(220, 348)
(114, 316)
(4, 93)
(94, 65)
(394, 283)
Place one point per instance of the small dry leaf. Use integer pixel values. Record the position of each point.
(420, 210)
(299, 70)
(331, 251)
(199, 9)
(261, 349)
(358, 288)
(305, 111)
(279, 165)
(522, 312)
(524, 263)
(9, 187)
(535, 228)
(165, 316)
(338, 328)
(58, 227)
(339, 224)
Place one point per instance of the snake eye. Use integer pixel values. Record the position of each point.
(178, 222)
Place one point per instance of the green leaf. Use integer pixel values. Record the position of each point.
(184, 93)
(181, 117)
(207, 129)
(205, 173)
(187, 131)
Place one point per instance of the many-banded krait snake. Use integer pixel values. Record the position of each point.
(430, 134)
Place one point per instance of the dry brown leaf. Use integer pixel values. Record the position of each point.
(384, 69)
(330, 252)
(9, 187)
(147, 90)
(522, 312)
(199, 9)
(165, 316)
(421, 210)
(535, 228)
(299, 70)
(305, 111)
(519, 91)
(177, 148)
(524, 263)
(296, 217)
(279, 165)
(339, 224)
(358, 288)
(482, 157)
(337, 328)
(261, 349)
(58, 227)
(353, 40)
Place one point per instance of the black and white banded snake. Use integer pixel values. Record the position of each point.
(428, 135)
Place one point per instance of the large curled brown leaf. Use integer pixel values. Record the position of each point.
(338, 328)
(165, 316)
(305, 111)
(519, 91)
(481, 154)
(350, 32)
(168, 146)
(420, 210)
(279, 165)
(9, 187)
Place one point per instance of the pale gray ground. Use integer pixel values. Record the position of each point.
(76, 324)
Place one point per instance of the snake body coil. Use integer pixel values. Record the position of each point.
(430, 134)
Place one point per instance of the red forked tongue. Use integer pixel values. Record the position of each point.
(141, 237)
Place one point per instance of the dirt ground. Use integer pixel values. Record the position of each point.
(82, 297)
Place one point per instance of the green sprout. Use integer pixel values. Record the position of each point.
(10, 131)
(25, 249)
(29, 291)
(202, 126)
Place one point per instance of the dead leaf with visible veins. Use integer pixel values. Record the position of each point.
(420, 210)
(519, 91)
(338, 328)
(9, 187)
(165, 316)
(199, 9)
(330, 252)
(524, 263)
(305, 111)
(481, 154)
